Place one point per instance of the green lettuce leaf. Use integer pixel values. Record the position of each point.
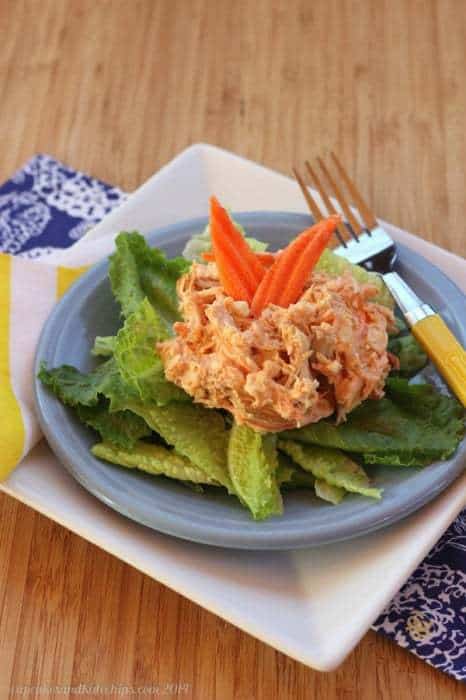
(137, 271)
(134, 372)
(75, 388)
(290, 476)
(410, 354)
(195, 432)
(253, 463)
(413, 426)
(98, 397)
(331, 466)
(139, 363)
(332, 494)
(400, 327)
(122, 428)
(104, 346)
(153, 459)
(201, 243)
(335, 265)
(285, 470)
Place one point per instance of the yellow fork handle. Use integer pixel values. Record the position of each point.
(445, 352)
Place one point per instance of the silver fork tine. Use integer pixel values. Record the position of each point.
(321, 189)
(314, 208)
(365, 212)
(311, 203)
(355, 227)
(342, 230)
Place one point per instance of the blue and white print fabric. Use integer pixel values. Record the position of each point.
(46, 206)
(428, 615)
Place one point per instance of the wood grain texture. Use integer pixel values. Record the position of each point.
(117, 88)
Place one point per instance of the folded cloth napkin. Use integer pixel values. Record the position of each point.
(43, 208)
(46, 207)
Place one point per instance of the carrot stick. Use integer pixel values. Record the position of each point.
(233, 256)
(280, 271)
(230, 277)
(230, 232)
(300, 274)
(234, 273)
(277, 277)
(267, 259)
(262, 296)
(235, 280)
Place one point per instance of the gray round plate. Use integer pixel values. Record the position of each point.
(88, 309)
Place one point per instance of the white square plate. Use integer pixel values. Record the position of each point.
(313, 605)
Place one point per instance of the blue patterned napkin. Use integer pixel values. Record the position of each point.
(46, 206)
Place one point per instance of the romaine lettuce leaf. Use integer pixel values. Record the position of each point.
(121, 428)
(201, 243)
(290, 476)
(332, 494)
(285, 470)
(253, 463)
(98, 397)
(195, 432)
(332, 466)
(410, 354)
(104, 346)
(335, 265)
(75, 388)
(138, 361)
(134, 372)
(413, 426)
(153, 459)
(400, 327)
(137, 271)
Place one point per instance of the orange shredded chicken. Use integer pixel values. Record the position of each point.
(291, 366)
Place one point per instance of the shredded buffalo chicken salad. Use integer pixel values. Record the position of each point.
(291, 366)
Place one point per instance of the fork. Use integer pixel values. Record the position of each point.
(371, 246)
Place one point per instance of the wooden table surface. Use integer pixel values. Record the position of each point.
(117, 88)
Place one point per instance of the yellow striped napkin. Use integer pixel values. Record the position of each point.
(28, 291)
